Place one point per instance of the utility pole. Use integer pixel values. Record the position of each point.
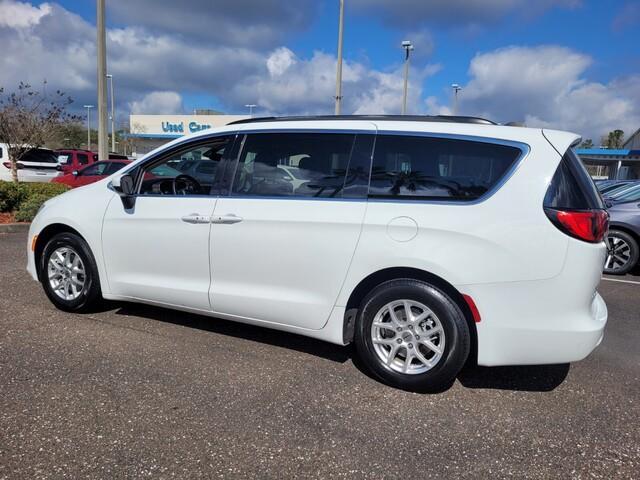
(339, 68)
(103, 148)
(88, 107)
(113, 115)
(408, 46)
(251, 106)
(456, 89)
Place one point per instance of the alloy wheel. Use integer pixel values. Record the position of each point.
(66, 273)
(618, 253)
(407, 337)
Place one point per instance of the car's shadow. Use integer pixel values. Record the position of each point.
(534, 378)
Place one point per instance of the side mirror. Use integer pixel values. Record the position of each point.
(74, 173)
(125, 187)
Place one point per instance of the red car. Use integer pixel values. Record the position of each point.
(91, 173)
(72, 159)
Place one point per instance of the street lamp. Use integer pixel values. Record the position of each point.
(251, 106)
(456, 89)
(88, 107)
(338, 109)
(113, 114)
(408, 47)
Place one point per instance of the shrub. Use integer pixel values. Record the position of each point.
(11, 194)
(30, 207)
(49, 189)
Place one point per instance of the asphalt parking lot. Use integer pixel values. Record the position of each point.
(136, 391)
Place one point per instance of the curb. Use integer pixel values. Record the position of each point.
(14, 227)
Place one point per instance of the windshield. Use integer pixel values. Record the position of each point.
(630, 195)
(621, 190)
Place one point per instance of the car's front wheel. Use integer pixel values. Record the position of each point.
(412, 335)
(69, 274)
(622, 253)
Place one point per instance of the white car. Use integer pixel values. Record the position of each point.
(37, 165)
(424, 240)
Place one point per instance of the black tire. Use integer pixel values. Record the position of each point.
(90, 296)
(631, 250)
(457, 337)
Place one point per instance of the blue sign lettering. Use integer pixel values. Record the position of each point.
(172, 127)
(196, 127)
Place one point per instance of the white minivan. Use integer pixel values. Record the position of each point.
(426, 241)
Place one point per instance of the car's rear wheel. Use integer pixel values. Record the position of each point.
(412, 335)
(622, 253)
(69, 274)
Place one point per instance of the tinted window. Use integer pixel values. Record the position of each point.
(114, 167)
(572, 187)
(437, 168)
(94, 169)
(40, 155)
(83, 158)
(189, 171)
(293, 164)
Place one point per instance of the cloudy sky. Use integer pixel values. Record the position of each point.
(569, 64)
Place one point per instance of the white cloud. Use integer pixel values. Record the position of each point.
(15, 14)
(307, 86)
(545, 86)
(157, 103)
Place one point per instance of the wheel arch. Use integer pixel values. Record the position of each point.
(376, 278)
(46, 234)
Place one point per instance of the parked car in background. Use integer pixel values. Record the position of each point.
(73, 159)
(37, 165)
(618, 188)
(623, 239)
(421, 239)
(91, 173)
(608, 185)
(630, 194)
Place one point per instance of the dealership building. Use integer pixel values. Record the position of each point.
(147, 132)
(620, 164)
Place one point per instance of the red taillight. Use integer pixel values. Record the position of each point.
(8, 165)
(590, 225)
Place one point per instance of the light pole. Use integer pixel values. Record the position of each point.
(456, 89)
(338, 109)
(408, 47)
(88, 107)
(103, 147)
(113, 114)
(251, 106)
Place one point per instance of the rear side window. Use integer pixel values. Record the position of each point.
(83, 159)
(40, 155)
(429, 168)
(571, 187)
(295, 164)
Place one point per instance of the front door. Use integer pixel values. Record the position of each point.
(159, 249)
(282, 242)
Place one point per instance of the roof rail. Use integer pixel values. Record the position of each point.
(401, 118)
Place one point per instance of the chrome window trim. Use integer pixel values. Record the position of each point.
(524, 148)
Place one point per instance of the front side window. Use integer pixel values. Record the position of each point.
(189, 171)
(430, 168)
(94, 169)
(293, 164)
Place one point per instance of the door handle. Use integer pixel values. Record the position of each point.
(196, 218)
(227, 219)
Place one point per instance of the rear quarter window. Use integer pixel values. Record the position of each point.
(432, 168)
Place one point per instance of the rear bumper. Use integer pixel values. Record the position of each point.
(552, 339)
(557, 320)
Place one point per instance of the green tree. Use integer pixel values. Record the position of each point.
(30, 119)
(588, 143)
(614, 139)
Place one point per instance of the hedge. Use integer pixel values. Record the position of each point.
(25, 198)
